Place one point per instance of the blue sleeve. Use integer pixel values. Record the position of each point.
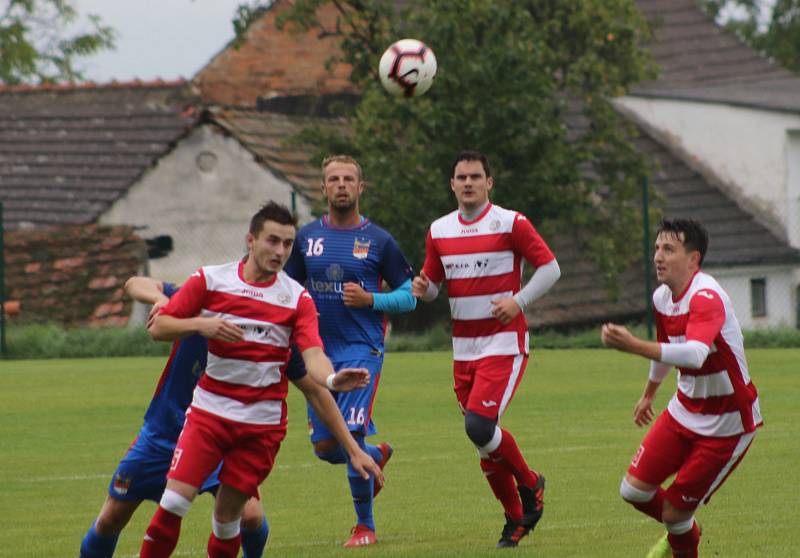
(169, 289)
(296, 368)
(396, 302)
(395, 269)
(296, 266)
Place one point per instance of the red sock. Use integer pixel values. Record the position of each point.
(161, 536)
(654, 507)
(224, 548)
(509, 455)
(685, 545)
(502, 483)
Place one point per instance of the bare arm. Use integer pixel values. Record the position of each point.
(321, 370)
(169, 328)
(322, 402)
(145, 289)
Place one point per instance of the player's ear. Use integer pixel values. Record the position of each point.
(489, 183)
(249, 239)
(452, 185)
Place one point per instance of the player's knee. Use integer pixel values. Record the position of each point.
(480, 430)
(114, 517)
(634, 495)
(252, 515)
(330, 451)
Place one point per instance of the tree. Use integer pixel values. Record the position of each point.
(769, 26)
(35, 46)
(528, 82)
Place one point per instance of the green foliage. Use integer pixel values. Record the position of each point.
(36, 46)
(777, 36)
(512, 75)
(51, 341)
(65, 424)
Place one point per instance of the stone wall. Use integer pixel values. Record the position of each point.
(72, 274)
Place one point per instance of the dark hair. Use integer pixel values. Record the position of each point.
(271, 211)
(695, 236)
(469, 155)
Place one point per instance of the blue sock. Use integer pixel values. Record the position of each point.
(254, 542)
(373, 452)
(334, 457)
(362, 491)
(95, 545)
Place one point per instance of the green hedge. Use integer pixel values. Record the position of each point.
(49, 341)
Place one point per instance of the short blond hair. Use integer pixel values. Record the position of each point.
(341, 159)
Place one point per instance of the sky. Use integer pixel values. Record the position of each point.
(166, 39)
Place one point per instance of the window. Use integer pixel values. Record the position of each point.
(758, 297)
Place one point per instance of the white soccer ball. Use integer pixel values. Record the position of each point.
(407, 68)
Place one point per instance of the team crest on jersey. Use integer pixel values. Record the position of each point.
(284, 298)
(121, 484)
(361, 248)
(494, 225)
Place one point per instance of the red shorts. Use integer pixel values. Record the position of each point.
(486, 386)
(702, 463)
(247, 450)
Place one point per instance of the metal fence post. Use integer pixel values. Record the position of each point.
(648, 270)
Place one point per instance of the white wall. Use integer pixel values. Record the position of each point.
(746, 148)
(781, 286)
(203, 195)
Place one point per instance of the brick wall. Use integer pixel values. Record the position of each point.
(72, 275)
(273, 62)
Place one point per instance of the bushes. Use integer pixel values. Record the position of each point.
(50, 341)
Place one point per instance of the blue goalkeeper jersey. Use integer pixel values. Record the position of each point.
(165, 416)
(324, 258)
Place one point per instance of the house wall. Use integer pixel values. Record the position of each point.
(203, 195)
(748, 149)
(781, 290)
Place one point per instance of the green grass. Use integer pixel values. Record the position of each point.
(64, 424)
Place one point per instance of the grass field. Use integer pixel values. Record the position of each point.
(64, 424)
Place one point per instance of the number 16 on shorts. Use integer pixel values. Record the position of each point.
(355, 416)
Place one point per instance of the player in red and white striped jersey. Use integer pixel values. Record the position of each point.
(710, 422)
(478, 250)
(251, 312)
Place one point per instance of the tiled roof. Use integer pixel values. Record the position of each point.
(265, 135)
(698, 60)
(68, 152)
(736, 239)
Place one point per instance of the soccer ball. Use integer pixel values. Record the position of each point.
(407, 68)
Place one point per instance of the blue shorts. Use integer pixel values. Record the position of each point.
(142, 473)
(355, 406)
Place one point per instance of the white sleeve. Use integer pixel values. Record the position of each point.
(691, 354)
(432, 292)
(659, 371)
(543, 278)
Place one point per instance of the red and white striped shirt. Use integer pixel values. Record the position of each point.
(481, 261)
(718, 399)
(245, 381)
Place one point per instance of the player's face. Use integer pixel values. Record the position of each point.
(270, 249)
(342, 186)
(674, 264)
(470, 184)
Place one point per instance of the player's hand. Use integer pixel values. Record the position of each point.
(349, 379)
(366, 466)
(420, 284)
(505, 309)
(220, 329)
(355, 296)
(616, 336)
(154, 311)
(643, 411)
